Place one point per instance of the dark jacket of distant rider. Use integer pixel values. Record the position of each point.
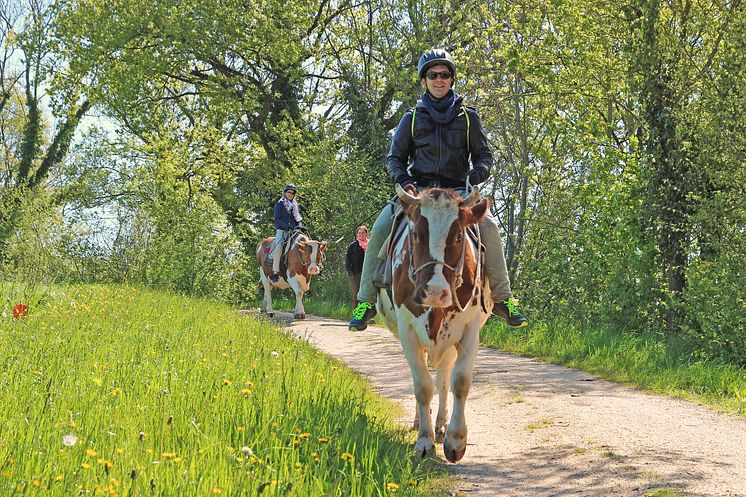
(284, 219)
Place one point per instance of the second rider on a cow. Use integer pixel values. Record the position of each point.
(287, 217)
(439, 135)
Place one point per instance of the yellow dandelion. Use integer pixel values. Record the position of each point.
(85, 465)
(241, 429)
(115, 482)
(178, 459)
(116, 391)
(304, 435)
(314, 454)
(226, 381)
(90, 453)
(392, 487)
(316, 459)
(346, 456)
(7, 473)
(296, 442)
(246, 391)
(36, 483)
(323, 440)
(98, 381)
(119, 450)
(59, 478)
(217, 490)
(168, 455)
(249, 383)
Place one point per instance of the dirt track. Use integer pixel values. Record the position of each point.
(537, 429)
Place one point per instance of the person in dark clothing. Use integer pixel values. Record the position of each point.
(354, 260)
(287, 217)
(433, 146)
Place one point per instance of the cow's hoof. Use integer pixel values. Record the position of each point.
(424, 448)
(271, 314)
(454, 455)
(415, 425)
(299, 316)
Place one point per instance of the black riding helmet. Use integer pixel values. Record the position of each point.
(289, 186)
(435, 57)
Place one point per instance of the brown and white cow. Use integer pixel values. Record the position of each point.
(436, 310)
(305, 257)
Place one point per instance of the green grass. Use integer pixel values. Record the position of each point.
(650, 363)
(132, 392)
(284, 300)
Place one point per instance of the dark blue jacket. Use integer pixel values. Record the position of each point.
(284, 219)
(437, 154)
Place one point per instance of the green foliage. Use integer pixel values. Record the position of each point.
(716, 303)
(164, 395)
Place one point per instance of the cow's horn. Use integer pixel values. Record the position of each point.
(471, 199)
(405, 196)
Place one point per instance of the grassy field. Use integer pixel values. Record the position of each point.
(122, 391)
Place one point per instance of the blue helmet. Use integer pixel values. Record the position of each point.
(435, 57)
(289, 186)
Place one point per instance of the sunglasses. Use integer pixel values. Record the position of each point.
(432, 75)
(290, 191)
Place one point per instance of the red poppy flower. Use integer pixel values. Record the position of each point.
(20, 311)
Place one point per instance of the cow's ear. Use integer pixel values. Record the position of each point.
(479, 210)
(323, 245)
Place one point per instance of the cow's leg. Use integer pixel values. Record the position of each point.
(267, 300)
(423, 392)
(299, 312)
(442, 381)
(454, 446)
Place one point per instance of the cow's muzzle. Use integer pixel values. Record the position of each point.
(433, 296)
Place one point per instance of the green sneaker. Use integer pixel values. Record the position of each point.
(508, 310)
(364, 312)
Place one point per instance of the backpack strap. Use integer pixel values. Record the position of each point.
(468, 126)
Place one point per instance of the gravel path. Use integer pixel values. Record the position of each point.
(542, 430)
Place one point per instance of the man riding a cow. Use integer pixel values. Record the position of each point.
(295, 257)
(287, 218)
(440, 135)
